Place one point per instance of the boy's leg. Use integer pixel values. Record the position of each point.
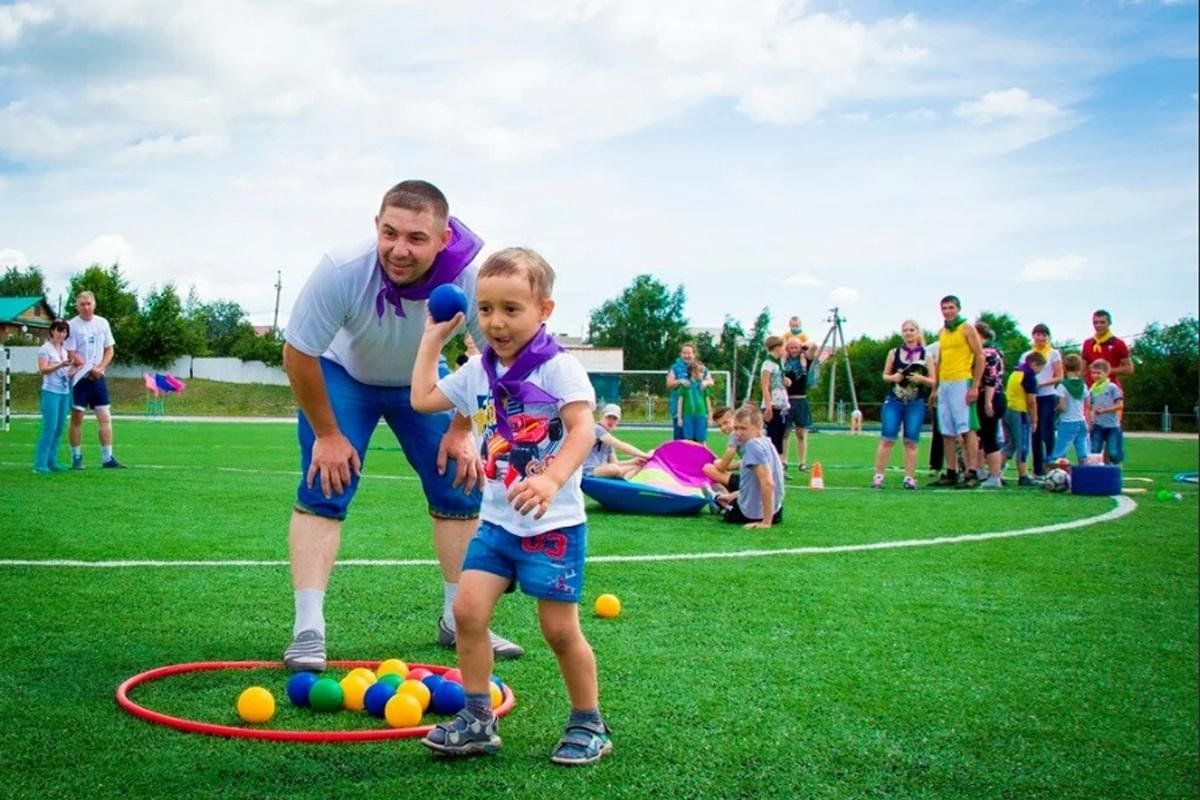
(560, 627)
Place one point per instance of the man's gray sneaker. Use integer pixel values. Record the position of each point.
(501, 647)
(464, 735)
(306, 653)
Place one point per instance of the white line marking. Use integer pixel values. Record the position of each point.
(1124, 506)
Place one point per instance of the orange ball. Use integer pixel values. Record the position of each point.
(402, 711)
(608, 606)
(497, 695)
(418, 690)
(392, 666)
(256, 705)
(354, 689)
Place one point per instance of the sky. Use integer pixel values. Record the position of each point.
(1034, 158)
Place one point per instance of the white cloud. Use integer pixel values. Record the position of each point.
(10, 257)
(16, 17)
(1053, 270)
(111, 248)
(173, 145)
(802, 280)
(844, 296)
(1007, 104)
(1010, 119)
(24, 134)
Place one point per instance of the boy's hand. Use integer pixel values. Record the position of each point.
(762, 523)
(533, 494)
(443, 331)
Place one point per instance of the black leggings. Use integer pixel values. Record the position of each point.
(777, 429)
(1043, 437)
(990, 426)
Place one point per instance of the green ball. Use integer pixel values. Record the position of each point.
(391, 679)
(326, 695)
(1163, 494)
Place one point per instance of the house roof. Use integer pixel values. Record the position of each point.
(11, 308)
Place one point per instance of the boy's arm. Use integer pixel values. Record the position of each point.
(726, 459)
(1031, 410)
(425, 395)
(535, 493)
(766, 488)
(624, 447)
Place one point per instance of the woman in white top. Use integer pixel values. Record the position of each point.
(55, 367)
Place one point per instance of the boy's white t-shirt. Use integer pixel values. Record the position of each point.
(59, 381)
(334, 317)
(565, 378)
(89, 338)
(1074, 410)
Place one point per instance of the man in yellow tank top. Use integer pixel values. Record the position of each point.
(960, 368)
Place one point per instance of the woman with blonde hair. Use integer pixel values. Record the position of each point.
(910, 383)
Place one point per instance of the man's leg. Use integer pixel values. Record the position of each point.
(312, 549)
(75, 437)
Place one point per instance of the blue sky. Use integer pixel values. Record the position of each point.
(1035, 158)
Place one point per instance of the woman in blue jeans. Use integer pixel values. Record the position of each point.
(904, 406)
(55, 367)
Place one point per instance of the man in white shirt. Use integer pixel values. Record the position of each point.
(90, 344)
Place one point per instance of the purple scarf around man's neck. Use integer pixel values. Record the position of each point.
(449, 264)
(540, 349)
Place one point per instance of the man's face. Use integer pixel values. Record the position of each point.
(409, 241)
(949, 310)
(1100, 324)
(687, 353)
(86, 307)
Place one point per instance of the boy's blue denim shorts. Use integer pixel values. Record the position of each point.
(548, 566)
(358, 408)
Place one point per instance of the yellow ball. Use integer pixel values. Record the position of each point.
(608, 606)
(354, 688)
(392, 666)
(497, 695)
(256, 705)
(402, 711)
(418, 690)
(364, 673)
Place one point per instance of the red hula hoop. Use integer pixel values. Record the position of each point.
(214, 729)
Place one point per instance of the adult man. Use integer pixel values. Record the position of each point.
(90, 344)
(1106, 346)
(960, 368)
(349, 351)
(677, 381)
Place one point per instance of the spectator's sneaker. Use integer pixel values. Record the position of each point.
(992, 483)
(112, 463)
(1025, 480)
(945, 480)
(582, 744)
(877, 482)
(910, 484)
(464, 735)
(76, 462)
(501, 647)
(969, 482)
(803, 467)
(306, 653)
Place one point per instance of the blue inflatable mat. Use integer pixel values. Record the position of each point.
(639, 498)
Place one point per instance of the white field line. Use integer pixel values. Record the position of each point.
(1123, 506)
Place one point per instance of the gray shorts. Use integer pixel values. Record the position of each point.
(954, 417)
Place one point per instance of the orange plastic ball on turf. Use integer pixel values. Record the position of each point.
(354, 690)
(497, 695)
(608, 606)
(392, 666)
(364, 673)
(402, 711)
(256, 705)
(418, 690)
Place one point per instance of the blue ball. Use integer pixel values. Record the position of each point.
(298, 686)
(445, 301)
(376, 698)
(449, 698)
(432, 682)
(496, 680)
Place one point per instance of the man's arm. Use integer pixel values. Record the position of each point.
(333, 457)
(977, 365)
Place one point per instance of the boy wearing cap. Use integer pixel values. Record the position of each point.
(602, 462)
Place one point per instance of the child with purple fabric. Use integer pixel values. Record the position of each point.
(531, 404)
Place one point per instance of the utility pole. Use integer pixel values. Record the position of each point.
(278, 288)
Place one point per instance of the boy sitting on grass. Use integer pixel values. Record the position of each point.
(722, 471)
(758, 502)
(601, 461)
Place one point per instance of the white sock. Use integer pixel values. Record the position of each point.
(449, 592)
(106, 452)
(77, 452)
(310, 611)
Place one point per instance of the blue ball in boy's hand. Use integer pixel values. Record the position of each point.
(445, 301)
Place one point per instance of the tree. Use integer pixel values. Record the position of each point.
(751, 356)
(1007, 336)
(115, 301)
(249, 346)
(1166, 374)
(27, 283)
(217, 325)
(164, 333)
(646, 321)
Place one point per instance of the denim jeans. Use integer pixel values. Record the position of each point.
(1071, 433)
(55, 409)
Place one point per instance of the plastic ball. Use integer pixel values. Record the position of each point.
(417, 690)
(377, 697)
(452, 675)
(431, 682)
(298, 687)
(354, 688)
(608, 606)
(497, 695)
(496, 680)
(417, 674)
(402, 711)
(445, 301)
(364, 673)
(448, 698)
(392, 666)
(326, 695)
(256, 705)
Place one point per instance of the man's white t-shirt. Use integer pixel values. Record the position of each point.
(334, 317)
(539, 433)
(89, 338)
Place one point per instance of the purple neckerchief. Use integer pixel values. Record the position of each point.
(540, 349)
(912, 353)
(449, 264)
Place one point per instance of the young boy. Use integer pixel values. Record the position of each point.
(1108, 401)
(601, 460)
(695, 404)
(721, 472)
(530, 404)
(774, 393)
(758, 502)
(1072, 410)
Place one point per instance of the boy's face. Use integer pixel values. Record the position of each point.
(408, 242)
(725, 423)
(610, 422)
(1098, 371)
(746, 430)
(510, 313)
(777, 351)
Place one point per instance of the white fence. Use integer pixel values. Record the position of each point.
(225, 370)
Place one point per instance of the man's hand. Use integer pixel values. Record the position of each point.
(972, 394)
(335, 460)
(533, 494)
(468, 467)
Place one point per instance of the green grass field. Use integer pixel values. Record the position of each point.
(1057, 665)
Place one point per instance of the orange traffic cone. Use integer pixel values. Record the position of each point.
(816, 478)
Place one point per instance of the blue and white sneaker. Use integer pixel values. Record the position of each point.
(465, 735)
(112, 463)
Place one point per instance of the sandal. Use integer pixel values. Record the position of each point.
(582, 745)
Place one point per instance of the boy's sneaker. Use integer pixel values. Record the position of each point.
(306, 653)
(877, 482)
(582, 744)
(464, 735)
(76, 462)
(910, 484)
(112, 463)
(501, 647)
(803, 468)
